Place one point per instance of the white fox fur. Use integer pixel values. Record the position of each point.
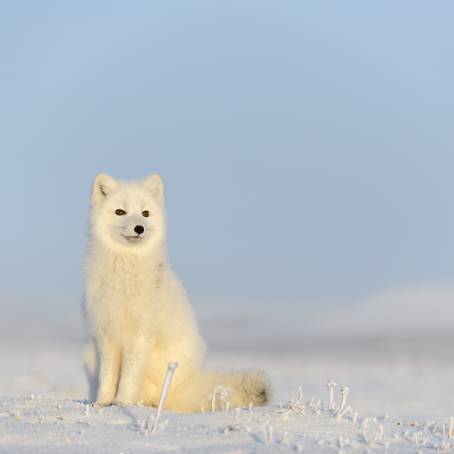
(138, 315)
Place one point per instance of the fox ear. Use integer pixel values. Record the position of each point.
(102, 186)
(155, 185)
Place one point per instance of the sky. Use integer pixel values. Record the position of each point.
(306, 147)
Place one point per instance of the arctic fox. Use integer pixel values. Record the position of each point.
(138, 316)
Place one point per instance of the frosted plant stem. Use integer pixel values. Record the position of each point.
(213, 400)
(451, 427)
(379, 434)
(331, 385)
(217, 391)
(344, 392)
(165, 390)
(300, 394)
(341, 414)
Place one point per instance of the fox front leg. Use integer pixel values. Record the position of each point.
(109, 371)
(134, 363)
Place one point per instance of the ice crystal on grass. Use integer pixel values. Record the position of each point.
(300, 425)
(331, 385)
(451, 427)
(294, 406)
(219, 393)
(315, 405)
(343, 409)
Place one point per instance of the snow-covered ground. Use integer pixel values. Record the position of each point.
(403, 404)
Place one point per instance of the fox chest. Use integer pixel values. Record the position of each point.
(121, 307)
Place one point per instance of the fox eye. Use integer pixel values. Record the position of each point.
(120, 212)
(145, 213)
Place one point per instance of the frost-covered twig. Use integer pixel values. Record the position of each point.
(285, 438)
(331, 385)
(315, 405)
(344, 393)
(300, 394)
(165, 390)
(366, 422)
(342, 409)
(268, 434)
(293, 406)
(451, 427)
(378, 437)
(341, 414)
(223, 393)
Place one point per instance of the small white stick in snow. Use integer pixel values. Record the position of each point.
(268, 434)
(341, 414)
(212, 398)
(285, 438)
(378, 437)
(220, 392)
(451, 427)
(344, 393)
(165, 390)
(331, 385)
(300, 394)
(366, 422)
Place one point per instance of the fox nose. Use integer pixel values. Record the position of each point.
(139, 229)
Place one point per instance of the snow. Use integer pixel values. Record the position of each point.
(399, 404)
(36, 423)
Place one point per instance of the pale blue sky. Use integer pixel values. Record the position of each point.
(306, 147)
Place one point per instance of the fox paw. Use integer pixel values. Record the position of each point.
(103, 402)
(122, 402)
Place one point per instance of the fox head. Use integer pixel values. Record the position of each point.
(128, 217)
